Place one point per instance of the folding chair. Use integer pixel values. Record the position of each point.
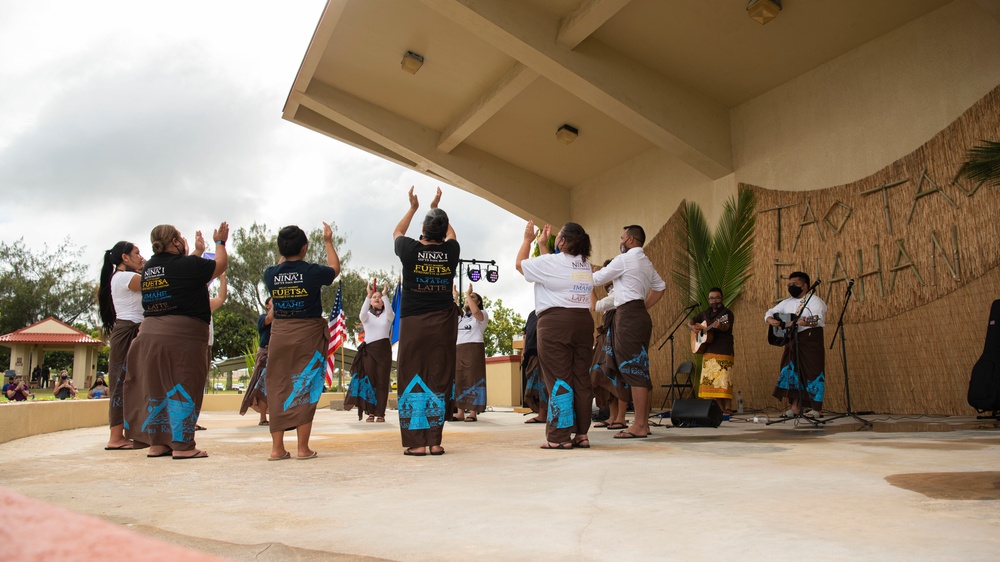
(680, 384)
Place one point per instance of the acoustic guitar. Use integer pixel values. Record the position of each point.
(780, 335)
(699, 340)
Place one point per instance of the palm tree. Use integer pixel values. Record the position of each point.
(982, 163)
(723, 260)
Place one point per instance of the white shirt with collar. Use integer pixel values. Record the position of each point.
(607, 303)
(376, 327)
(816, 307)
(633, 275)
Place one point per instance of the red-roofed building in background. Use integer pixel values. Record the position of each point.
(29, 345)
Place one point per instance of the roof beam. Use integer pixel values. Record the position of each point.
(510, 187)
(489, 103)
(684, 123)
(587, 18)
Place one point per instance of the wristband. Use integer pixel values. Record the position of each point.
(220, 242)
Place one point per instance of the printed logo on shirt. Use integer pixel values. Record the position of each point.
(292, 278)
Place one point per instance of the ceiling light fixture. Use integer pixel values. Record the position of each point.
(412, 62)
(567, 134)
(763, 11)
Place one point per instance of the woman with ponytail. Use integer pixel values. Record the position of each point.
(120, 303)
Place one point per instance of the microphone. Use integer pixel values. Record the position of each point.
(816, 284)
(695, 305)
(850, 283)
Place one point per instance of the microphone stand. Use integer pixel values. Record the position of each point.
(798, 364)
(684, 314)
(843, 357)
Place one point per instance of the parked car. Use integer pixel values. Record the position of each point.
(219, 386)
(239, 387)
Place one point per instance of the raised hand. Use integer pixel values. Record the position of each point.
(529, 231)
(220, 234)
(414, 202)
(327, 233)
(199, 243)
(437, 199)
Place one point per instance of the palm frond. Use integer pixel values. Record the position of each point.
(694, 244)
(732, 248)
(982, 163)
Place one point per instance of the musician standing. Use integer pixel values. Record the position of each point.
(810, 351)
(717, 363)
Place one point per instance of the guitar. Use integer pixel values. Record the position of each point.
(780, 335)
(701, 339)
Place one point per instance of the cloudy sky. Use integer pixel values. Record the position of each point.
(121, 115)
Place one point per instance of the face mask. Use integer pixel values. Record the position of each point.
(795, 291)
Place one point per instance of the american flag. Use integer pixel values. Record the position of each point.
(338, 334)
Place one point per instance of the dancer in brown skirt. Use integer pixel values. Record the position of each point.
(296, 355)
(369, 389)
(563, 284)
(610, 391)
(425, 364)
(166, 363)
(256, 393)
(535, 395)
(802, 379)
(470, 359)
(637, 288)
(120, 302)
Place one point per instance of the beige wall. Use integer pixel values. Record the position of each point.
(837, 123)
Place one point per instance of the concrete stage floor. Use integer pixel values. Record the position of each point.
(912, 489)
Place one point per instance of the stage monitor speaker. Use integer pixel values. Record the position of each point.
(696, 413)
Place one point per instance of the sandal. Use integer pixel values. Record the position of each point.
(380, 419)
(616, 425)
(370, 419)
(564, 446)
(602, 424)
(582, 444)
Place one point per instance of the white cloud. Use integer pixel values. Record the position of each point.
(119, 116)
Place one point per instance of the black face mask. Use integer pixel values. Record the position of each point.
(795, 291)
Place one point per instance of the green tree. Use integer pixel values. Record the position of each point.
(504, 324)
(233, 332)
(36, 285)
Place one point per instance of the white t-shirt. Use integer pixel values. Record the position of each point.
(633, 275)
(128, 303)
(607, 303)
(561, 280)
(816, 307)
(376, 327)
(471, 330)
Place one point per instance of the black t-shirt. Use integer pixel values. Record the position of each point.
(264, 330)
(173, 284)
(428, 275)
(722, 342)
(295, 288)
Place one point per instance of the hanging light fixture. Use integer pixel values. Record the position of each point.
(475, 274)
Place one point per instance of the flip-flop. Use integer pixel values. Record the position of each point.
(198, 455)
(616, 425)
(437, 453)
(265, 422)
(284, 457)
(410, 453)
(380, 419)
(307, 457)
(629, 435)
(471, 419)
(602, 424)
(158, 455)
(125, 447)
(199, 428)
(533, 420)
(563, 446)
(582, 444)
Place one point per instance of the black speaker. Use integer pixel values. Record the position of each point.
(696, 413)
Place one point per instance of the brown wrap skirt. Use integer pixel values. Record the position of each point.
(121, 340)
(470, 377)
(369, 389)
(812, 355)
(167, 372)
(535, 395)
(256, 393)
(632, 329)
(565, 347)
(425, 367)
(296, 363)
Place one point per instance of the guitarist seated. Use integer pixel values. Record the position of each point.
(712, 335)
